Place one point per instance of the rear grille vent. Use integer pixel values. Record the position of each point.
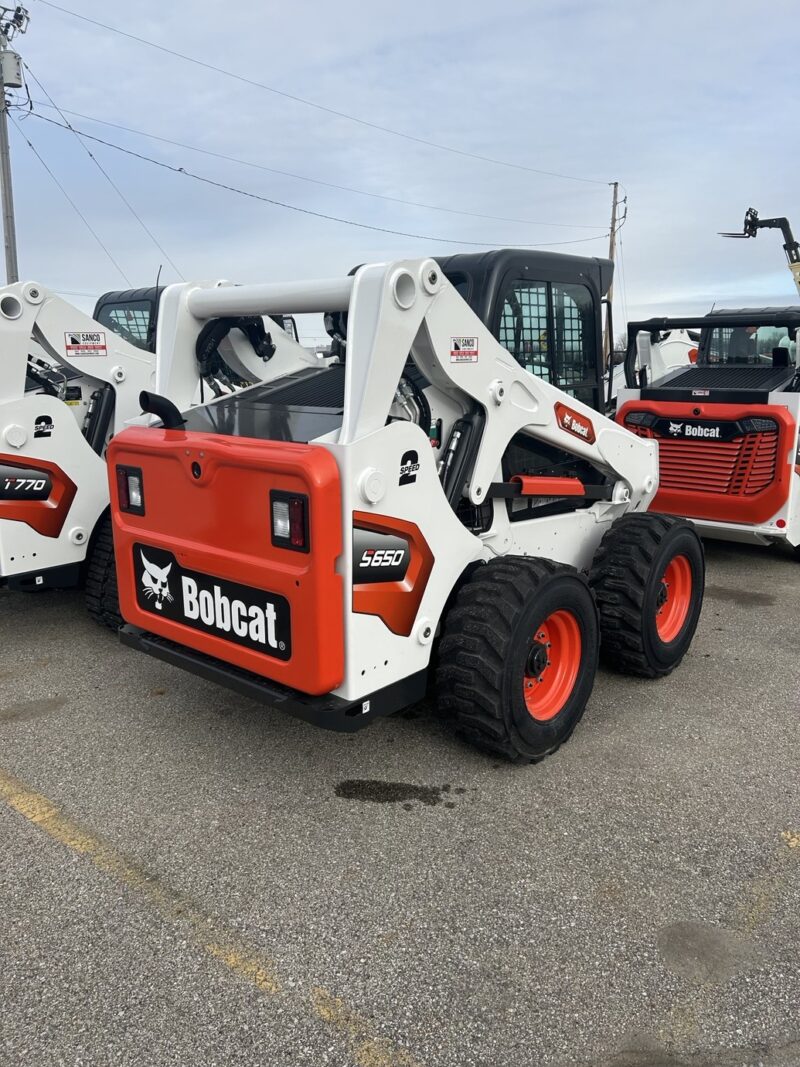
(741, 467)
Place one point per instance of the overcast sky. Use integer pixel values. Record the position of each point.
(692, 105)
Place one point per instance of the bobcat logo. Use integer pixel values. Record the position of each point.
(675, 428)
(154, 582)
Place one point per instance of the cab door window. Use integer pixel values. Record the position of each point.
(549, 328)
(575, 346)
(524, 327)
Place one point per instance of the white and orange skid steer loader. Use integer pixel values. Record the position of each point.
(68, 383)
(325, 540)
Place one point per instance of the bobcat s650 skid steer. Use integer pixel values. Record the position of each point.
(329, 539)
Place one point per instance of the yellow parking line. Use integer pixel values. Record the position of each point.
(367, 1048)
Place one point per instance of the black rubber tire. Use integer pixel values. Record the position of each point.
(486, 639)
(626, 578)
(102, 598)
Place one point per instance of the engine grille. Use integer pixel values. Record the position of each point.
(741, 467)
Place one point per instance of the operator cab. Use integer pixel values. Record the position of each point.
(131, 313)
(741, 356)
(545, 308)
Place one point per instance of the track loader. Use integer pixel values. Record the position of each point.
(68, 382)
(421, 509)
(727, 425)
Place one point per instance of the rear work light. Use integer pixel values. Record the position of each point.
(289, 520)
(130, 490)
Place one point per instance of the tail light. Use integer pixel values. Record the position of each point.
(640, 418)
(130, 490)
(289, 520)
(692, 354)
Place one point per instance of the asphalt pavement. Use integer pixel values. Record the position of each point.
(189, 878)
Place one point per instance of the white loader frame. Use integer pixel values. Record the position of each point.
(409, 306)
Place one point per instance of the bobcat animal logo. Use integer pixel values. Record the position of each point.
(154, 582)
(675, 428)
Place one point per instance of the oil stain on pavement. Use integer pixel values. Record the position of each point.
(377, 792)
(26, 710)
(748, 598)
(703, 952)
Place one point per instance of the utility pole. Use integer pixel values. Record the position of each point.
(13, 20)
(608, 340)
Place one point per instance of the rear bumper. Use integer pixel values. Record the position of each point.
(328, 711)
(746, 535)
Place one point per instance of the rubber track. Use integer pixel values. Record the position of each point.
(620, 570)
(102, 598)
(471, 656)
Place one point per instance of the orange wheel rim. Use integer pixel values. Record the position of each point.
(674, 599)
(554, 660)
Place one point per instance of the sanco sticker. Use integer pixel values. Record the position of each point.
(463, 349)
(83, 343)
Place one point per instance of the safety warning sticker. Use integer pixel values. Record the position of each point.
(463, 349)
(81, 343)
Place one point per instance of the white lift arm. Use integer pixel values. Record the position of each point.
(410, 307)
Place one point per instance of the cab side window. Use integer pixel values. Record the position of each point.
(549, 328)
(524, 326)
(575, 350)
(131, 320)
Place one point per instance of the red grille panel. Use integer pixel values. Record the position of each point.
(740, 467)
(745, 480)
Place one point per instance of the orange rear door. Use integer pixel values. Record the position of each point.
(198, 563)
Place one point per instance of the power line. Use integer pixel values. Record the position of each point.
(305, 210)
(107, 176)
(315, 181)
(72, 203)
(317, 106)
